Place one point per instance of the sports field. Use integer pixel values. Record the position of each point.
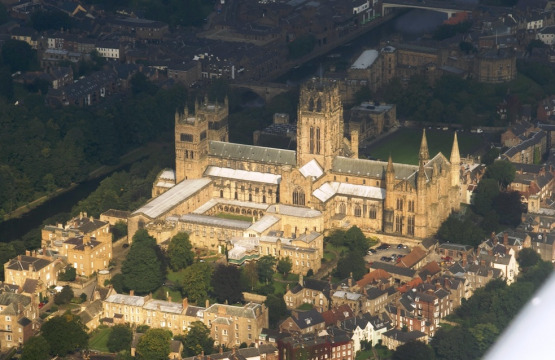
(404, 144)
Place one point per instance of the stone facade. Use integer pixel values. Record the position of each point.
(18, 316)
(34, 266)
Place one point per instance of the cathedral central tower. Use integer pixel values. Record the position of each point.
(320, 123)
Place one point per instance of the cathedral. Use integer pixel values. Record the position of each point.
(292, 194)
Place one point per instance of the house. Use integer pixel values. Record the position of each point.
(403, 315)
(143, 310)
(261, 352)
(365, 327)
(87, 254)
(232, 325)
(414, 260)
(34, 266)
(398, 273)
(503, 258)
(532, 179)
(18, 319)
(529, 150)
(303, 322)
(345, 297)
(516, 132)
(90, 314)
(332, 343)
(394, 338)
(543, 245)
(309, 291)
(337, 314)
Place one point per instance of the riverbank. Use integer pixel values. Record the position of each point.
(100, 172)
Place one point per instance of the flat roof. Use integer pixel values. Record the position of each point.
(365, 60)
(244, 175)
(330, 189)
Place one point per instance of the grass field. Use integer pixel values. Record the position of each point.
(99, 339)
(404, 144)
(234, 217)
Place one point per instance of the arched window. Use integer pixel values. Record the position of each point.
(311, 104)
(358, 212)
(298, 196)
(410, 225)
(399, 204)
(342, 208)
(264, 199)
(372, 212)
(250, 197)
(399, 223)
(319, 105)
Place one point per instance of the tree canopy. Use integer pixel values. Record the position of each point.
(277, 309)
(64, 296)
(527, 258)
(226, 284)
(265, 266)
(65, 334)
(196, 282)
(36, 348)
(352, 263)
(196, 340)
(120, 338)
(18, 55)
(142, 269)
(154, 345)
(502, 171)
(284, 266)
(180, 251)
(414, 350)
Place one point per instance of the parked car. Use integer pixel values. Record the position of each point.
(372, 251)
(384, 247)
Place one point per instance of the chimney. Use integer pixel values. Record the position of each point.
(350, 281)
(18, 257)
(506, 238)
(301, 280)
(80, 215)
(185, 303)
(221, 350)
(447, 284)
(131, 292)
(207, 303)
(428, 278)
(398, 315)
(28, 252)
(464, 259)
(438, 285)
(295, 314)
(483, 262)
(493, 238)
(86, 239)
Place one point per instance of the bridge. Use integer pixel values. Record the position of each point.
(266, 90)
(450, 8)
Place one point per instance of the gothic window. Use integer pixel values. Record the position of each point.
(298, 196)
(342, 208)
(236, 196)
(399, 204)
(410, 225)
(311, 105)
(411, 205)
(319, 105)
(358, 212)
(264, 199)
(192, 154)
(250, 197)
(221, 193)
(317, 140)
(311, 151)
(186, 154)
(186, 137)
(398, 223)
(372, 212)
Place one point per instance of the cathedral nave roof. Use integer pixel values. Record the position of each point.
(253, 153)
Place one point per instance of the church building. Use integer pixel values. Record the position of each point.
(287, 193)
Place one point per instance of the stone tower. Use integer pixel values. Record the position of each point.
(320, 123)
(455, 161)
(423, 154)
(192, 134)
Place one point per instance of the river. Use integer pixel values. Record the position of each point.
(410, 25)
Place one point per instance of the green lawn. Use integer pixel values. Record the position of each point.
(99, 339)
(305, 307)
(364, 354)
(175, 276)
(404, 144)
(234, 217)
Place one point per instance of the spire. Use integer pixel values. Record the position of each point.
(423, 155)
(455, 155)
(390, 165)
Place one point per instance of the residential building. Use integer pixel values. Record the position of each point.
(18, 319)
(543, 245)
(308, 291)
(365, 327)
(88, 255)
(143, 310)
(329, 344)
(232, 325)
(34, 266)
(303, 322)
(394, 338)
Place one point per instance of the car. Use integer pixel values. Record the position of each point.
(400, 246)
(384, 247)
(125, 246)
(372, 251)
(394, 256)
(41, 305)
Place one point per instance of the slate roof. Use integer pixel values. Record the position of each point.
(10, 302)
(403, 336)
(413, 258)
(305, 319)
(30, 286)
(372, 168)
(531, 141)
(227, 150)
(27, 263)
(247, 311)
(393, 270)
(336, 314)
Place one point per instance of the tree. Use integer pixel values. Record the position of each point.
(265, 267)
(250, 274)
(356, 241)
(180, 251)
(195, 283)
(414, 350)
(18, 55)
(118, 231)
(36, 348)
(354, 264)
(277, 309)
(197, 340)
(65, 334)
(502, 171)
(120, 338)
(456, 343)
(508, 207)
(142, 269)
(226, 284)
(527, 258)
(69, 274)
(284, 266)
(461, 230)
(154, 345)
(486, 191)
(64, 296)
(485, 335)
